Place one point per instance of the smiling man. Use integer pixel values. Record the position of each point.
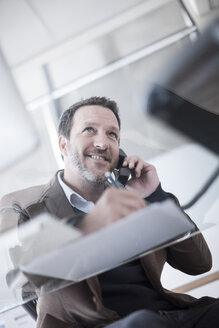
(90, 148)
(131, 295)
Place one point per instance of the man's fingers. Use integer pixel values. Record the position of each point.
(138, 168)
(134, 163)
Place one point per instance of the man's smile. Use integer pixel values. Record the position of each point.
(98, 157)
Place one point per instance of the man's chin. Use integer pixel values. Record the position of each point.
(99, 169)
(94, 177)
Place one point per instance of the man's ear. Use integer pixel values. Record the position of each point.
(63, 145)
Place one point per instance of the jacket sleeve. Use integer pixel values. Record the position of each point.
(9, 217)
(191, 255)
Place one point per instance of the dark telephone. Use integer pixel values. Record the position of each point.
(123, 172)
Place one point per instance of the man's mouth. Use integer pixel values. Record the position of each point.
(99, 157)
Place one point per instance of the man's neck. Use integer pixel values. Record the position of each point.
(88, 190)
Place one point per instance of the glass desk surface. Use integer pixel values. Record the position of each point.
(35, 257)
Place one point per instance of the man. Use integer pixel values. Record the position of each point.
(130, 295)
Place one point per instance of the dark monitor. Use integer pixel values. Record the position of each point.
(190, 119)
(187, 97)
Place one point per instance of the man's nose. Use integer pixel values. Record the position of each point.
(101, 142)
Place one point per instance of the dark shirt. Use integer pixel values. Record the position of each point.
(126, 288)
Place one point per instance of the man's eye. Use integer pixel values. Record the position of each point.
(113, 135)
(89, 129)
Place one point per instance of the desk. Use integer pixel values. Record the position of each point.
(157, 226)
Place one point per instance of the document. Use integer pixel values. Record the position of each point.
(143, 231)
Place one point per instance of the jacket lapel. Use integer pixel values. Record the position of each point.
(56, 201)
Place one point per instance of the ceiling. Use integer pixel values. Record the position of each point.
(29, 28)
(52, 33)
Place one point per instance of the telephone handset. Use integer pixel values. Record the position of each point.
(123, 172)
(121, 177)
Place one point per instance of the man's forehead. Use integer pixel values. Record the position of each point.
(96, 124)
(96, 115)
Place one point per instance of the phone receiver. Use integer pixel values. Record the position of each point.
(124, 172)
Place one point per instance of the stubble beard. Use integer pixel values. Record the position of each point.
(76, 162)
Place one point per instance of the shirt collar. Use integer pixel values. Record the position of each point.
(74, 198)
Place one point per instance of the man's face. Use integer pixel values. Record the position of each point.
(93, 145)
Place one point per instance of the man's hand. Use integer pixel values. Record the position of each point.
(113, 205)
(144, 176)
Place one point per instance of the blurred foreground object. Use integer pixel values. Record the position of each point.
(17, 134)
(187, 96)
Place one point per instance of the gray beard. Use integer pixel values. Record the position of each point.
(89, 176)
